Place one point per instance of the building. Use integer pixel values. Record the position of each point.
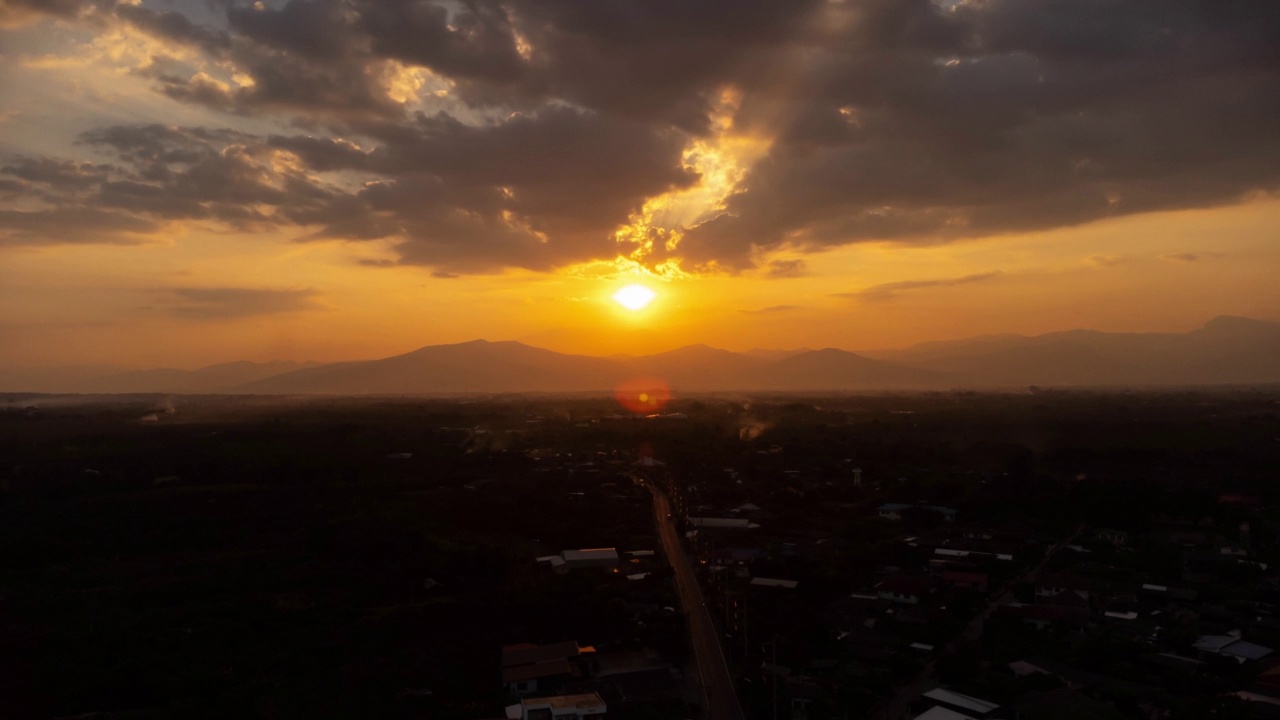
(937, 712)
(976, 707)
(774, 582)
(560, 707)
(892, 511)
(965, 580)
(905, 589)
(1052, 588)
(1231, 646)
(529, 668)
(604, 558)
(1111, 535)
(727, 523)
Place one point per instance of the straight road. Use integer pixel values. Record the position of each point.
(720, 701)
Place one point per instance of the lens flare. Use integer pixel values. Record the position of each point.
(634, 297)
(643, 395)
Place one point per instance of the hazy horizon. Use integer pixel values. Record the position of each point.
(657, 351)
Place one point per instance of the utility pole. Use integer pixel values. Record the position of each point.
(746, 649)
(775, 676)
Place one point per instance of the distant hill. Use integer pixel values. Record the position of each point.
(1227, 350)
(838, 369)
(481, 366)
(476, 366)
(52, 379)
(211, 379)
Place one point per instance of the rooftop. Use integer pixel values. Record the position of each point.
(585, 702)
(968, 702)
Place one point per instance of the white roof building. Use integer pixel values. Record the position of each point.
(560, 707)
(964, 702)
(774, 582)
(937, 712)
(722, 522)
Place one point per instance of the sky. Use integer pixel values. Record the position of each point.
(186, 182)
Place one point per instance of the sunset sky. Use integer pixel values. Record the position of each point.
(187, 182)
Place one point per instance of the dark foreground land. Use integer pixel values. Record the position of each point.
(165, 556)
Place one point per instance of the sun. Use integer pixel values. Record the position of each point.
(634, 297)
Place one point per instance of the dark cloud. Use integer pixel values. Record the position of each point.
(477, 44)
(73, 225)
(909, 121)
(786, 269)
(536, 190)
(887, 291)
(174, 27)
(226, 303)
(1189, 257)
(15, 12)
(57, 174)
(1007, 116)
(162, 174)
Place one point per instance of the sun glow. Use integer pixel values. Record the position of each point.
(634, 297)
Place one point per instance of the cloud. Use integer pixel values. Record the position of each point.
(536, 190)
(1188, 257)
(888, 291)
(75, 225)
(1106, 260)
(226, 303)
(522, 133)
(770, 310)
(785, 269)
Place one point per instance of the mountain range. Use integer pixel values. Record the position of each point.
(1226, 350)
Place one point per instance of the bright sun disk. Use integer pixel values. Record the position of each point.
(634, 297)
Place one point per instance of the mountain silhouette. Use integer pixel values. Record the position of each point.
(1226, 350)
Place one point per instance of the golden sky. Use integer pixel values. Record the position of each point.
(328, 180)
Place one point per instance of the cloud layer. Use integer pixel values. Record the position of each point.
(483, 135)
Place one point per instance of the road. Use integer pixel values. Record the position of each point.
(720, 701)
(900, 704)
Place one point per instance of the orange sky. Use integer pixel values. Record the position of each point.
(194, 283)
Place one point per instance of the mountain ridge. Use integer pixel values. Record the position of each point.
(1225, 350)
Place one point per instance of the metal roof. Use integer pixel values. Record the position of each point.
(967, 702)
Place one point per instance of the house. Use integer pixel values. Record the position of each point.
(937, 712)
(525, 666)
(803, 696)
(961, 703)
(774, 582)
(1064, 703)
(1057, 586)
(1111, 535)
(605, 558)
(727, 523)
(561, 707)
(949, 514)
(907, 589)
(892, 511)
(1231, 646)
(739, 559)
(965, 580)
(555, 562)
